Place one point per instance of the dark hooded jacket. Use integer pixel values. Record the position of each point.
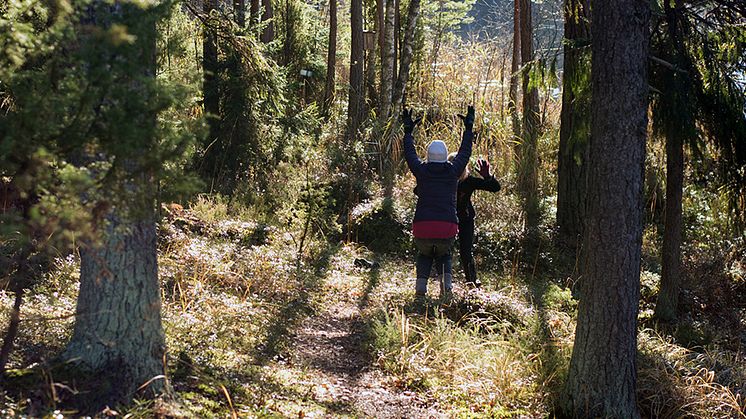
(437, 182)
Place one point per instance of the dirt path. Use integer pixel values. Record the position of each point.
(329, 346)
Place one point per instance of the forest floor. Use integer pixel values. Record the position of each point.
(255, 330)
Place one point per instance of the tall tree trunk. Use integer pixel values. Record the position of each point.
(239, 10)
(268, 34)
(603, 371)
(371, 57)
(379, 24)
(118, 334)
(572, 159)
(356, 101)
(515, 65)
(397, 39)
(210, 88)
(528, 157)
(387, 65)
(668, 296)
(400, 88)
(331, 59)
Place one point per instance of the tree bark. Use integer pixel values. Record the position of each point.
(356, 101)
(603, 371)
(387, 65)
(528, 157)
(413, 13)
(331, 59)
(268, 34)
(572, 159)
(118, 326)
(668, 296)
(515, 65)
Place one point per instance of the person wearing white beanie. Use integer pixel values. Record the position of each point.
(437, 152)
(435, 223)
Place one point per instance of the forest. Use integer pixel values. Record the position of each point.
(215, 209)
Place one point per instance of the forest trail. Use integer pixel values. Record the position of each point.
(340, 374)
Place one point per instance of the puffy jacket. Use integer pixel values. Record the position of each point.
(437, 182)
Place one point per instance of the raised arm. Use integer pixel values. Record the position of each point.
(410, 153)
(487, 182)
(464, 151)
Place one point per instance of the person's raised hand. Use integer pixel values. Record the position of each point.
(483, 166)
(468, 118)
(408, 122)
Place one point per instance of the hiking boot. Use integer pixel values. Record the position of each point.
(419, 304)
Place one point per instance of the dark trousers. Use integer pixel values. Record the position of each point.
(465, 248)
(437, 251)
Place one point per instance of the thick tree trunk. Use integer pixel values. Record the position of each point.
(603, 372)
(356, 103)
(331, 59)
(400, 88)
(572, 159)
(210, 88)
(118, 328)
(387, 65)
(668, 296)
(268, 34)
(528, 156)
(515, 65)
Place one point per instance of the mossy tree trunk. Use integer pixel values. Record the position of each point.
(572, 159)
(515, 65)
(387, 66)
(528, 156)
(603, 370)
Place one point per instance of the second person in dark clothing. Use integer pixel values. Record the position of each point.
(466, 186)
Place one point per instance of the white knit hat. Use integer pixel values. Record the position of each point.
(437, 152)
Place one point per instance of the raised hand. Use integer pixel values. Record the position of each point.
(483, 167)
(408, 122)
(468, 118)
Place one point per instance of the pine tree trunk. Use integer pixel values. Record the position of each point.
(603, 371)
(209, 70)
(515, 65)
(387, 65)
(668, 296)
(528, 157)
(118, 335)
(572, 159)
(356, 103)
(413, 13)
(268, 35)
(331, 59)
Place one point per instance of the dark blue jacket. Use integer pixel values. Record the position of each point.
(437, 182)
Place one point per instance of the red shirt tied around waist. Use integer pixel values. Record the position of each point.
(434, 229)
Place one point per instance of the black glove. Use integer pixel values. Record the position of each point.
(406, 120)
(469, 118)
